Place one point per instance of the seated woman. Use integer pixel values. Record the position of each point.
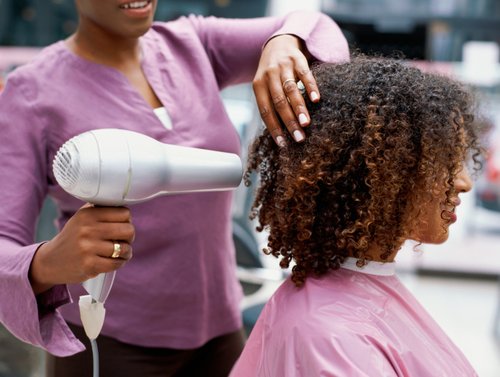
(384, 161)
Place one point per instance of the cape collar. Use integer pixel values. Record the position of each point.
(372, 268)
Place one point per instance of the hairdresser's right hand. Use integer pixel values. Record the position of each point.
(83, 248)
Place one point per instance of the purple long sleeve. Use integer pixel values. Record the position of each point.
(234, 43)
(24, 170)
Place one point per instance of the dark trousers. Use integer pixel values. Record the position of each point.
(117, 359)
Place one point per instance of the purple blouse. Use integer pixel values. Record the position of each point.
(180, 289)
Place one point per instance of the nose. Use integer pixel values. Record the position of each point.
(463, 181)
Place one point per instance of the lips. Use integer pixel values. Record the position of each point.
(451, 216)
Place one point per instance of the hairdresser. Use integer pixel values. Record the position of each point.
(174, 308)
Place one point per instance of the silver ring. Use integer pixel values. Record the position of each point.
(301, 87)
(286, 81)
(117, 250)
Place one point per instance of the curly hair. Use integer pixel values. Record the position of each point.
(382, 139)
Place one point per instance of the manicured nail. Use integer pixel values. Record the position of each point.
(302, 119)
(314, 96)
(280, 140)
(298, 136)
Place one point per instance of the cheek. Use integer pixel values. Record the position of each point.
(102, 13)
(432, 227)
(438, 231)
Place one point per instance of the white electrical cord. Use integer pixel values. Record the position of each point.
(92, 314)
(95, 358)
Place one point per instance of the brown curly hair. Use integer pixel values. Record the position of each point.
(383, 137)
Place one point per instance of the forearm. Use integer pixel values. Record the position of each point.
(235, 46)
(322, 39)
(298, 42)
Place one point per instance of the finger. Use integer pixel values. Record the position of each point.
(267, 113)
(305, 75)
(121, 250)
(113, 231)
(108, 214)
(103, 262)
(281, 104)
(114, 249)
(103, 265)
(296, 101)
(117, 250)
(85, 236)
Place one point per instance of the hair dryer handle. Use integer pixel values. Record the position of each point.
(100, 286)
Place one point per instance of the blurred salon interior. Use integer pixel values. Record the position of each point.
(458, 282)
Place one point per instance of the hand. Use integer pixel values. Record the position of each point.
(83, 248)
(282, 64)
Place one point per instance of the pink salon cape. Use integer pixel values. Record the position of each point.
(351, 322)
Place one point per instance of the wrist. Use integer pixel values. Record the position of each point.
(294, 41)
(37, 272)
(290, 39)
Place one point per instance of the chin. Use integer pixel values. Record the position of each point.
(433, 239)
(439, 239)
(139, 31)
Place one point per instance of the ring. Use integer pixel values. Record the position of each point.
(117, 250)
(287, 80)
(301, 87)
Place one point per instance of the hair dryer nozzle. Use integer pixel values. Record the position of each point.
(75, 166)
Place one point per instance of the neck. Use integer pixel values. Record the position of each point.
(98, 46)
(374, 253)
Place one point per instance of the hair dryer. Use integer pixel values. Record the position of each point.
(113, 167)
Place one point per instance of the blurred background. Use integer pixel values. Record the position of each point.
(457, 282)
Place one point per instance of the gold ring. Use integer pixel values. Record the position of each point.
(287, 80)
(117, 250)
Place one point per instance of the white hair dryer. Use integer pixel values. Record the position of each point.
(113, 167)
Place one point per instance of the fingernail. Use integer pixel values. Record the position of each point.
(314, 96)
(280, 140)
(298, 136)
(302, 119)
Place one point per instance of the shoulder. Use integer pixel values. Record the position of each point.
(39, 71)
(45, 58)
(340, 305)
(319, 333)
(180, 26)
(175, 37)
(186, 28)
(326, 327)
(317, 302)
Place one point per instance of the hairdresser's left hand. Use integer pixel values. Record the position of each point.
(284, 62)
